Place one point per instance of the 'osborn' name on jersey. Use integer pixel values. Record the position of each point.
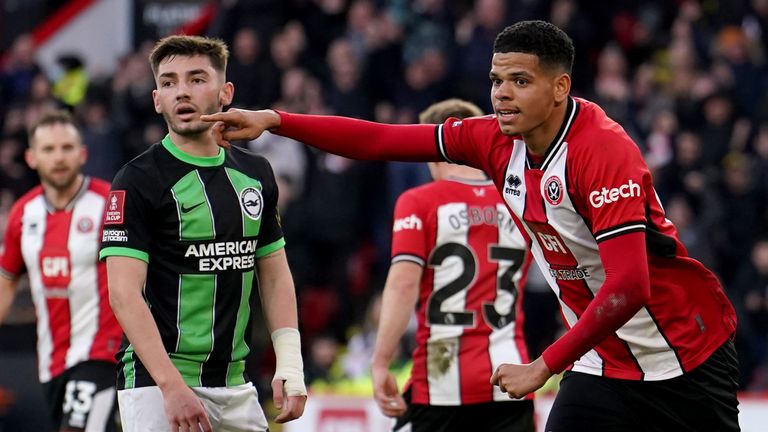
(470, 301)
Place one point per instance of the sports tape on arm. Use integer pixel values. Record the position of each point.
(289, 365)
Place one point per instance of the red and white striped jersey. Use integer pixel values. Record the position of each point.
(59, 250)
(470, 317)
(593, 185)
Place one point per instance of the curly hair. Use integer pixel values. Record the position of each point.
(545, 40)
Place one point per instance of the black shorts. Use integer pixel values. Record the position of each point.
(703, 399)
(83, 395)
(507, 416)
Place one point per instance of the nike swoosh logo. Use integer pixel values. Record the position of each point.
(189, 209)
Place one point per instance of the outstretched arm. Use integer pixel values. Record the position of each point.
(401, 293)
(278, 298)
(344, 136)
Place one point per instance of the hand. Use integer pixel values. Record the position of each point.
(290, 409)
(184, 410)
(518, 380)
(237, 124)
(386, 394)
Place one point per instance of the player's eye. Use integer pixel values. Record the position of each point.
(521, 82)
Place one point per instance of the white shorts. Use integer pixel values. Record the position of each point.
(230, 409)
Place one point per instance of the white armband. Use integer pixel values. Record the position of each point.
(289, 367)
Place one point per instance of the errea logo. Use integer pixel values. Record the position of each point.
(606, 196)
(513, 183)
(408, 222)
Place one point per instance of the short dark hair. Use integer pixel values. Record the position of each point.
(183, 45)
(544, 40)
(49, 118)
(442, 111)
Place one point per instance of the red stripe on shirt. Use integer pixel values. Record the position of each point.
(56, 237)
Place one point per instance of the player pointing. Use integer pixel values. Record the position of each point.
(649, 345)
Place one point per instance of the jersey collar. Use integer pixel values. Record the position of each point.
(201, 161)
(571, 110)
(471, 182)
(71, 204)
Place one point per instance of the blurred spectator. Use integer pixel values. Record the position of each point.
(101, 140)
(611, 88)
(323, 352)
(760, 172)
(289, 162)
(347, 93)
(247, 70)
(71, 86)
(360, 18)
(325, 21)
(716, 131)
(475, 34)
(18, 71)
(285, 49)
(659, 143)
(744, 205)
(356, 362)
(567, 15)
(682, 210)
(132, 108)
(748, 79)
(750, 296)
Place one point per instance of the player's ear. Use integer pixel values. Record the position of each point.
(29, 157)
(562, 87)
(227, 93)
(83, 154)
(156, 101)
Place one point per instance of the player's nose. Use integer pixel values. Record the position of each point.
(503, 91)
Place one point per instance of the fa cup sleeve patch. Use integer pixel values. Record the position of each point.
(115, 205)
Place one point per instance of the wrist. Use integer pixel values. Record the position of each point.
(541, 368)
(170, 382)
(289, 366)
(380, 362)
(276, 119)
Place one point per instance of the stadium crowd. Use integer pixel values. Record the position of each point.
(686, 79)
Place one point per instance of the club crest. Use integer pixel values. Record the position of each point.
(251, 202)
(553, 190)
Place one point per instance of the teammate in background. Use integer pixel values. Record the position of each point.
(188, 230)
(649, 345)
(53, 233)
(457, 254)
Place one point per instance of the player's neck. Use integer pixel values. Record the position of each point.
(59, 198)
(540, 138)
(461, 172)
(201, 145)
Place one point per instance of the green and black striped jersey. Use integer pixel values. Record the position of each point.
(200, 223)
